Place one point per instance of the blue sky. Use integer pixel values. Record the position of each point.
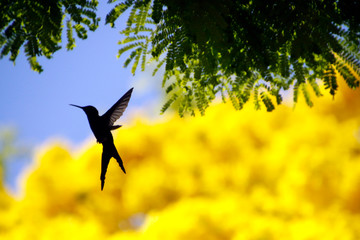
(37, 105)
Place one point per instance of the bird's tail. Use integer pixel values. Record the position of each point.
(102, 184)
(104, 165)
(109, 150)
(119, 160)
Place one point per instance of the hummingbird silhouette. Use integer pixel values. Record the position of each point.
(102, 126)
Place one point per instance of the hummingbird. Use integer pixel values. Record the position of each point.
(102, 126)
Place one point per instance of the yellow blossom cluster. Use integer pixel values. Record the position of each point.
(242, 175)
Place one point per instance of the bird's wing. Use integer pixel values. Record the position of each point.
(117, 110)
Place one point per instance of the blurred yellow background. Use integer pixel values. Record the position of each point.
(290, 174)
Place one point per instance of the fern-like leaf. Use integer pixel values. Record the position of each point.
(35, 64)
(299, 71)
(69, 32)
(284, 63)
(296, 91)
(168, 103)
(128, 47)
(315, 86)
(136, 61)
(330, 81)
(114, 14)
(306, 95)
(256, 99)
(132, 39)
(267, 102)
(131, 57)
(158, 66)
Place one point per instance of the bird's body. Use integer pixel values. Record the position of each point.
(101, 126)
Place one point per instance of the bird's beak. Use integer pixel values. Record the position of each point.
(76, 106)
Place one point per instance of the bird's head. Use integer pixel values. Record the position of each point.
(89, 110)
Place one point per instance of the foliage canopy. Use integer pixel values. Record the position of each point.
(38, 26)
(230, 48)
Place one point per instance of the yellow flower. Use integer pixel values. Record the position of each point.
(289, 174)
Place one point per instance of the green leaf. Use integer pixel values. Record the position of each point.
(115, 13)
(330, 80)
(137, 59)
(306, 95)
(168, 103)
(71, 41)
(128, 47)
(267, 102)
(35, 64)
